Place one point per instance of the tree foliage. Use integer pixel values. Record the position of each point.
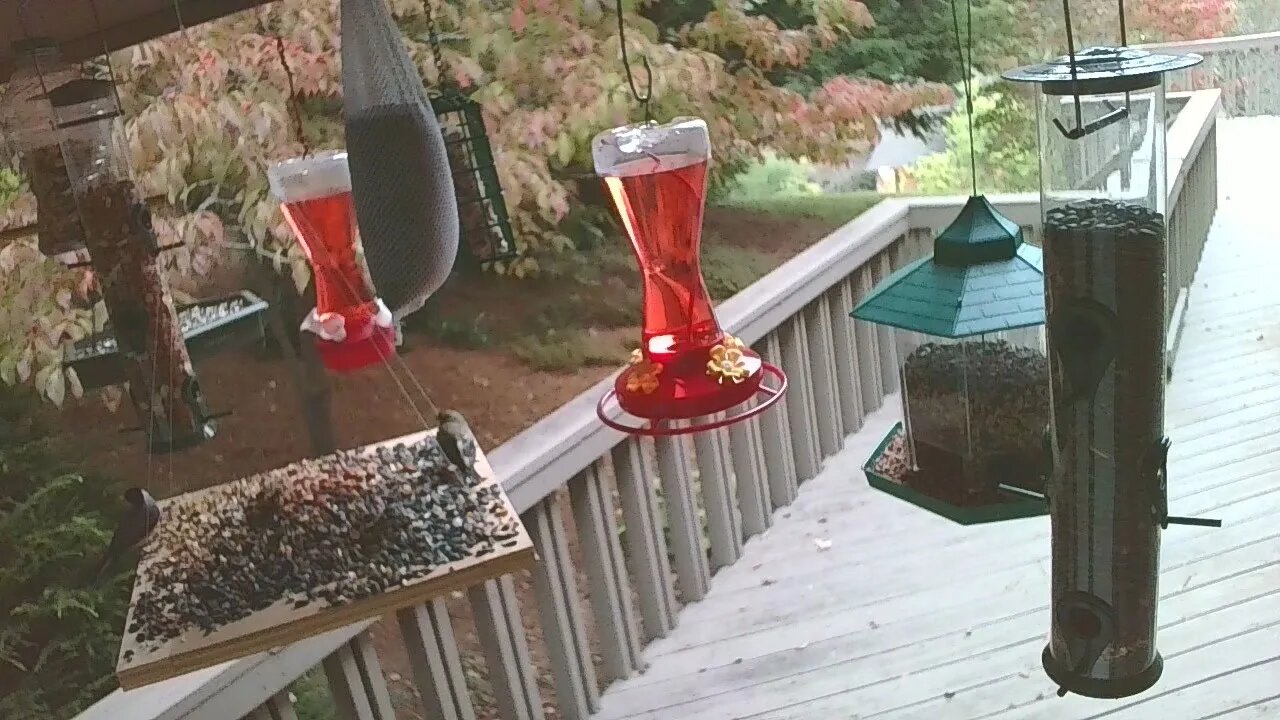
(1096, 22)
(1004, 138)
(207, 112)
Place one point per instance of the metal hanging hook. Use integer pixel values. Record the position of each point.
(626, 66)
(1114, 114)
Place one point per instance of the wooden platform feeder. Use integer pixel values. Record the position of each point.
(968, 325)
(208, 326)
(280, 556)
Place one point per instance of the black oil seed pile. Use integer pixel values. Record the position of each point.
(984, 397)
(188, 318)
(331, 530)
(1101, 220)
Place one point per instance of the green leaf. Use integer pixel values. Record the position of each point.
(564, 149)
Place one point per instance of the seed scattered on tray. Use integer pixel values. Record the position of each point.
(326, 531)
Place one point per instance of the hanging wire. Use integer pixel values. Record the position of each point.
(643, 99)
(106, 55)
(966, 68)
(1124, 31)
(291, 103)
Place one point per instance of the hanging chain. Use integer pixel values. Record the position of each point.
(106, 55)
(292, 103)
(1124, 30)
(433, 40)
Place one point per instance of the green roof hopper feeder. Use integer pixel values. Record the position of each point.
(968, 329)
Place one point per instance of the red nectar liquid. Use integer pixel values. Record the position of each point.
(662, 215)
(326, 227)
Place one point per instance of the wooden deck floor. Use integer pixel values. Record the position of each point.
(907, 616)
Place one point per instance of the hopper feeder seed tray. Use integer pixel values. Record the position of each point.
(208, 327)
(276, 557)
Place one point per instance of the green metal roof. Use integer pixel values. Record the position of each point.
(982, 278)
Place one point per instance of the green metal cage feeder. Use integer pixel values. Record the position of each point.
(968, 329)
(484, 224)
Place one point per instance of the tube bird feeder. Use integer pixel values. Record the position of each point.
(686, 368)
(27, 118)
(1103, 200)
(122, 245)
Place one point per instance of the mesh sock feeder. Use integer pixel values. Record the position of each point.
(1104, 262)
(400, 177)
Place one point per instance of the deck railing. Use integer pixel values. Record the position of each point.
(653, 521)
(1244, 67)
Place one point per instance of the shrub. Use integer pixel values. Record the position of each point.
(59, 632)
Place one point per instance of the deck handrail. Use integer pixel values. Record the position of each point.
(840, 372)
(1242, 66)
(1230, 43)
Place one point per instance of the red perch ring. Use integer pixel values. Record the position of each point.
(662, 425)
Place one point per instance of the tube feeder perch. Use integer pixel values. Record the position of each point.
(122, 245)
(1105, 249)
(687, 370)
(975, 385)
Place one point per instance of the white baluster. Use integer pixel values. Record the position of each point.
(775, 434)
(563, 625)
(692, 572)
(428, 638)
(826, 391)
(610, 590)
(724, 527)
(646, 546)
(501, 630)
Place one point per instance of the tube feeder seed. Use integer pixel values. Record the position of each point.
(123, 249)
(1103, 200)
(967, 323)
(687, 370)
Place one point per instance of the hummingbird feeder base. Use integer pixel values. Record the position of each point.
(662, 421)
(887, 471)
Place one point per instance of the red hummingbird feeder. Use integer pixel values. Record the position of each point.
(686, 367)
(354, 328)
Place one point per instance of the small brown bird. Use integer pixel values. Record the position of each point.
(458, 443)
(136, 524)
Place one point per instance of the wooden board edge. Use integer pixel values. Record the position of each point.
(139, 675)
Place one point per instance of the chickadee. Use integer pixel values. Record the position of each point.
(458, 443)
(138, 521)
